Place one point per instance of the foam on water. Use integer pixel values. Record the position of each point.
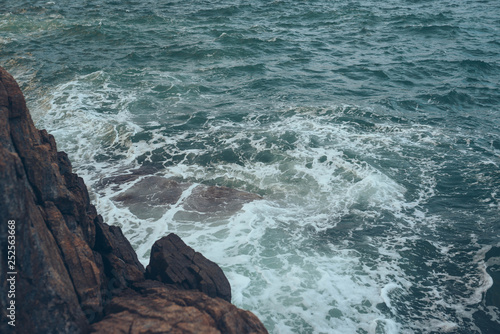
(86, 113)
(375, 213)
(320, 171)
(290, 286)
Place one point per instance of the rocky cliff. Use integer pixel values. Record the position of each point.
(64, 270)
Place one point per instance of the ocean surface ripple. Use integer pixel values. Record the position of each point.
(370, 130)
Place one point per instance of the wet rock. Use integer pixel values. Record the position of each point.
(153, 190)
(134, 174)
(173, 262)
(218, 199)
(152, 196)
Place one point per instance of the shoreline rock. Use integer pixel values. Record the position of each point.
(75, 273)
(175, 263)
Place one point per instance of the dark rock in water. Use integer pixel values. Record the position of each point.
(70, 267)
(174, 262)
(123, 178)
(153, 190)
(218, 199)
(156, 193)
(151, 196)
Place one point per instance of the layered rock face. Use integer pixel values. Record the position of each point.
(76, 274)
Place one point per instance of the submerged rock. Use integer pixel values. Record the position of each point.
(152, 190)
(154, 195)
(123, 178)
(218, 199)
(71, 269)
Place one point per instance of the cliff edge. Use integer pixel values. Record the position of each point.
(63, 270)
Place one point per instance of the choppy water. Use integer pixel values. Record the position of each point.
(369, 128)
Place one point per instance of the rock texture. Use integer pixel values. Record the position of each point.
(72, 269)
(154, 308)
(175, 263)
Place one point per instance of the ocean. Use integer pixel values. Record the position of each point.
(369, 128)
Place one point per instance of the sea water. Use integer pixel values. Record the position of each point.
(369, 128)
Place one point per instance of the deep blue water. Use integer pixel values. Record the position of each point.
(371, 130)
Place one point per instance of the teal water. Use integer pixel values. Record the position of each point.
(371, 129)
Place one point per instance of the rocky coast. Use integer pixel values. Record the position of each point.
(64, 270)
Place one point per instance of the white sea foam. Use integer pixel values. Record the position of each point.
(88, 116)
(328, 171)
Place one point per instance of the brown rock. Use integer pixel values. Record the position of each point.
(173, 262)
(61, 278)
(120, 261)
(161, 310)
(78, 258)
